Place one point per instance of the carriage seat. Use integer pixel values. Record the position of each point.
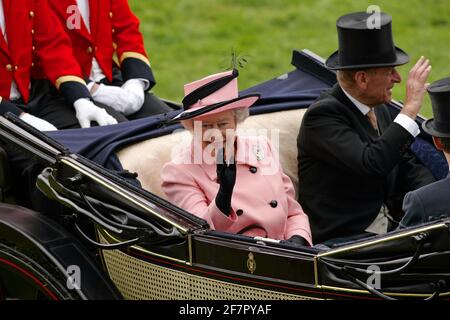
(147, 158)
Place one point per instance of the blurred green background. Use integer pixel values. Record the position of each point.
(189, 39)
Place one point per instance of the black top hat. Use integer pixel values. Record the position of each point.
(439, 92)
(361, 46)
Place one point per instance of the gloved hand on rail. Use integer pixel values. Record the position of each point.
(298, 240)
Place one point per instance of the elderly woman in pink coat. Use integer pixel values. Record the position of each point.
(233, 181)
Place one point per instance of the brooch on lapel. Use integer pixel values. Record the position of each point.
(258, 152)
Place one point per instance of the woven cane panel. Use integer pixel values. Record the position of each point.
(208, 289)
(140, 280)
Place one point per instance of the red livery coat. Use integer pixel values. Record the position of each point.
(34, 33)
(114, 29)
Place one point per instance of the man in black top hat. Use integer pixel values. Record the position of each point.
(354, 161)
(432, 202)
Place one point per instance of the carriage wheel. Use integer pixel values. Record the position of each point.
(23, 278)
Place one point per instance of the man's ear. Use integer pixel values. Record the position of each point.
(438, 143)
(361, 79)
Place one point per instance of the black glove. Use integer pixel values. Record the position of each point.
(298, 241)
(226, 177)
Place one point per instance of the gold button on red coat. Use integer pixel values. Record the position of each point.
(9, 67)
(90, 50)
(31, 14)
(16, 68)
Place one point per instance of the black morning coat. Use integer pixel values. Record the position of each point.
(346, 171)
(427, 204)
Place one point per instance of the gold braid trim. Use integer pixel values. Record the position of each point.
(65, 79)
(135, 55)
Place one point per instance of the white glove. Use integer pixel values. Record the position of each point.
(112, 96)
(135, 89)
(86, 112)
(38, 123)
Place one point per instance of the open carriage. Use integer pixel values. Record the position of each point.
(113, 237)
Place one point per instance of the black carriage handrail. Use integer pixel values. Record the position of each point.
(381, 295)
(43, 184)
(195, 221)
(440, 284)
(103, 246)
(347, 270)
(143, 206)
(148, 233)
(420, 239)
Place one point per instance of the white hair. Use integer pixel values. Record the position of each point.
(240, 114)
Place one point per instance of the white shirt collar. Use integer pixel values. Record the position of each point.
(361, 106)
(2, 19)
(83, 6)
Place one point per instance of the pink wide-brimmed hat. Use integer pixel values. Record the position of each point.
(213, 94)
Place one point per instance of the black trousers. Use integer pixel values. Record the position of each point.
(47, 103)
(152, 106)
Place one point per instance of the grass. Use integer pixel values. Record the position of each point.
(189, 39)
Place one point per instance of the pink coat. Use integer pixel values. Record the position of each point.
(263, 200)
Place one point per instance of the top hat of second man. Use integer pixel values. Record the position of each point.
(365, 45)
(439, 126)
